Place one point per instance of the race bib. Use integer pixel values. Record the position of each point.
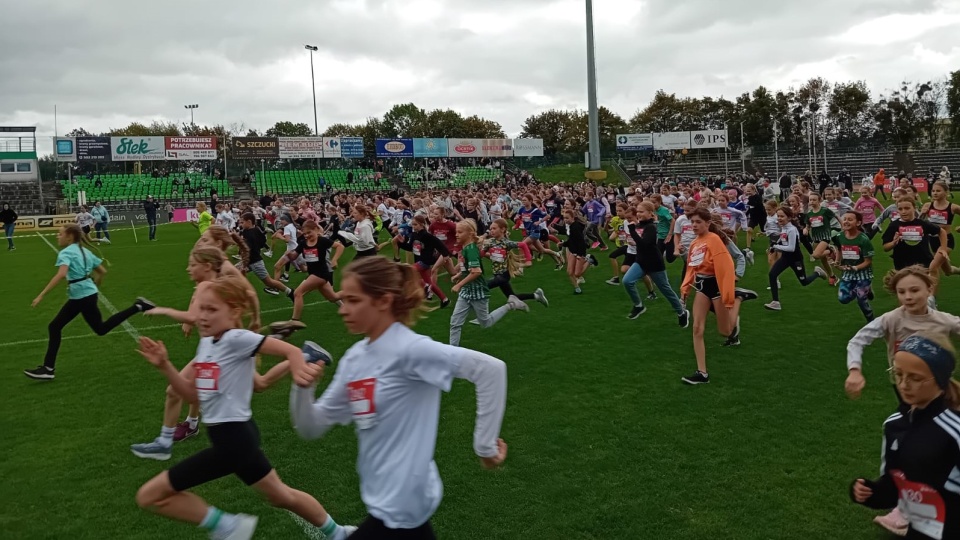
(937, 217)
(441, 237)
(850, 253)
(816, 221)
(207, 377)
(526, 218)
(686, 229)
(416, 248)
(697, 256)
(895, 216)
(363, 404)
(498, 254)
(311, 255)
(833, 206)
(911, 233)
(921, 505)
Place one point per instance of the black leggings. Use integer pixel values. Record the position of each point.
(781, 266)
(87, 307)
(374, 529)
(502, 282)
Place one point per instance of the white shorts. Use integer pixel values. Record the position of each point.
(259, 269)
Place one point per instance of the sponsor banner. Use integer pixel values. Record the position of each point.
(429, 148)
(464, 147)
(331, 147)
(395, 148)
(496, 148)
(351, 147)
(65, 148)
(300, 147)
(26, 224)
(181, 215)
(254, 148)
(45, 223)
(93, 148)
(673, 140)
(709, 138)
(528, 147)
(634, 142)
(137, 148)
(190, 148)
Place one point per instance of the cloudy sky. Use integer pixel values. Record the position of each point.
(105, 63)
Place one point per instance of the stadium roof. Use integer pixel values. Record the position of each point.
(20, 129)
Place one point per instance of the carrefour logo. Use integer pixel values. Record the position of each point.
(394, 147)
(332, 143)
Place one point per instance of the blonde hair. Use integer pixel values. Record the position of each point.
(225, 239)
(233, 291)
(893, 277)
(379, 277)
(201, 206)
(471, 225)
(211, 255)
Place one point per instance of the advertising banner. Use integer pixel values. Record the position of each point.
(45, 223)
(65, 148)
(93, 148)
(190, 148)
(496, 147)
(673, 140)
(351, 147)
(331, 147)
(429, 148)
(137, 148)
(254, 148)
(300, 147)
(634, 142)
(528, 147)
(710, 138)
(464, 147)
(182, 215)
(395, 148)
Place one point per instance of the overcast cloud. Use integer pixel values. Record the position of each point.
(105, 63)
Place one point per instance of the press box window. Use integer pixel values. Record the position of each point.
(7, 168)
(23, 167)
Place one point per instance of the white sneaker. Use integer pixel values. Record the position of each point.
(581, 281)
(613, 281)
(813, 259)
(749, 254)
(820, 272)
(773, 306)
(476, 322)
(779, 286)
(268, 253)
(540, 297)
(517, 304)
(246, 525)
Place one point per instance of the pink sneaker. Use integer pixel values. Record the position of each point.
(183, 431)
(893, 522)
(594, 245)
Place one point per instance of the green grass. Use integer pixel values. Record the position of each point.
(571, 174)
(605, 442)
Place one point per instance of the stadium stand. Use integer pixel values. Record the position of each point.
(24, 197)
(136, 187)
(307, 181)
(462, 177)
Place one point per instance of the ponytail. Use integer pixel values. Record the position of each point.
(379, 276)
(514, 266)
(242, 248)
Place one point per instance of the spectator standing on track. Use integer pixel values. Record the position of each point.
(101, 219)
(150, 207)
(9, 219)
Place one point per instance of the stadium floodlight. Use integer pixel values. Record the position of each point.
(313, 86)
(192, 107)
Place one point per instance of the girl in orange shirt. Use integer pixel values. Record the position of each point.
(711, 273)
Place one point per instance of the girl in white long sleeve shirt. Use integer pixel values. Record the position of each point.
(389, 386)
(363, 235)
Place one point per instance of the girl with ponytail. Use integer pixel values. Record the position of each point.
(83, 271)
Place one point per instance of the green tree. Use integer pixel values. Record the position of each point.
(481, 128)
(444, 123)
(848, 109)
(289, 129)
(553, 126)
(953, 104)
(406, 120)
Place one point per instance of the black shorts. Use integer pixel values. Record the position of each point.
(85, 229)
(755, 221)
(629, 259)
(234, 449)
(619, 252)
(374, 529)
(708, 286)
(327, 276)
(365, 253)
(935, 242)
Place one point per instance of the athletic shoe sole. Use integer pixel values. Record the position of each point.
(36, 377)
(157, 457)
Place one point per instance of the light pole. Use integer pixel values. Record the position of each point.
(726, 161)
(594, 117)
(806, 129)
(313, 86)
(743, 161)
(776, 147)
(192, 108)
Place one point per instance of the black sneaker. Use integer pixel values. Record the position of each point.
(290, 295)
(592, 260)
(637, 311)
(745, 294)
(444, 303)
(870, 294)
(697, 378)
(41, 373)
(285, 278)
(732, 341)
(143, 304)
(271, 291)
(314, 353)
(652, 296)
(684, 319)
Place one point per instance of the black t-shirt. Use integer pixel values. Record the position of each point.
(914, 244)
(150, 207)
(255, 240)
(316, 256)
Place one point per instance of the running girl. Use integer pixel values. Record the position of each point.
(788, 249)
(711, 274)
(649, 262)
(313, 248)
(856, 261)
(389, 387)
(868, 206)
(940, 212)
(429, 255)
(471, 288)
(204, 218)
(819, 227)
(576, 245)
(909, 238)
(255, 241)
(220, 378)
(531, 218)
(83, 271)
(505, 265)
(363, 236)
(85, 221)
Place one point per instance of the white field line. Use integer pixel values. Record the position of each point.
(160, 327)
(106, 302)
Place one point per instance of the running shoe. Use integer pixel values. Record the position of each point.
(732, 341)
(290, 295)
(592, 260)
(476, 322)
(41, 373)
(12, 248)
(893, 522)
(870, 294)
(577, 290)
(540, 297)
(581, 281)
(244, 528)
(813, 259)
(779, 286)
(285, 327)
(268, 253)
(652, 295)
(315, 353)
(637, 311)
(444, 303)
(684, 320)
(539, 256)
(697, 378)
(143, 304)
(151, 450)
(271, 291)
(748, 253)
(773, 306)
(833, 280)
(559, 266)
(182, 431)
(285, 277)
(613, 281)
(820, 272)
(517, 304)
(745, 294)
(953, 269)
(594, 245)
(106, 241)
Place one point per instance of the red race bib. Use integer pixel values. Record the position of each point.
(207, 376)
(850, 253)
(363, 402)
(921, 505)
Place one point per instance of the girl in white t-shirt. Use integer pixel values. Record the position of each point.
(220, 378)
(389, 387)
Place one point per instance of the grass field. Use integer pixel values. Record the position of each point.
(605, 441)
